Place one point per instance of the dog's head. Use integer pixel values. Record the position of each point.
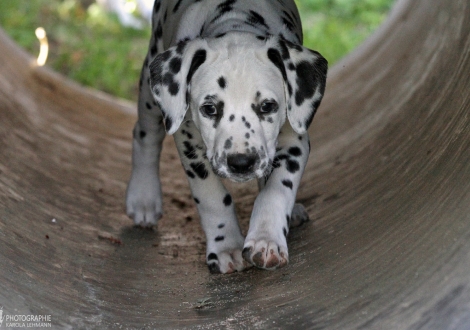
(240, 89)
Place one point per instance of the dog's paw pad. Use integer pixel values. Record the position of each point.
(299, 216)
(265, 254)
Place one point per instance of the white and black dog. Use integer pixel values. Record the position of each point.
(231, 81)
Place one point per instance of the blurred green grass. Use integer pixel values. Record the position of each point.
(91, 47)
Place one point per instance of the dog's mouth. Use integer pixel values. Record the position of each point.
(240, 167)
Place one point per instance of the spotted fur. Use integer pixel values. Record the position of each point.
(233, 83)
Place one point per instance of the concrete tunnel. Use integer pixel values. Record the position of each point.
(387, 188)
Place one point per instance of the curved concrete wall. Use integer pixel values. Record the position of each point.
(387, 188)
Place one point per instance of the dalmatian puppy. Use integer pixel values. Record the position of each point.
(231, 80)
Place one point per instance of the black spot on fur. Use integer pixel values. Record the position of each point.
(277, 160)
(247, 135)
(295, 151)
(284, 50)
(190, 151)
(153, 49)
(158, 31)
(226, 6)
(157, 5)
(306, 82)
(288, 21)
(292, 165)
(166, 55)
(199, 58)
(148, 105)
(175, 9)
(142, 134)
(197, 201)
(188, 135)
(292, 45)
(165, 16)
(213, 268)
(232, 118)
(167, 79)
(201, 32)
(200, 170)
(227, 200)
(220, 112)
(223, 8)
(315, 105)
(175, 64)
(174, 88)
(168, 123)
(192, 176)
(219, 238)
(222, 82)
(256, 19)
(181, 46)
(188, 97)
(222, 225)
(284, 230)
(275, 57)
(228, 144)
(287, 183)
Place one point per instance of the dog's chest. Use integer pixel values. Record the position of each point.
(177, 20)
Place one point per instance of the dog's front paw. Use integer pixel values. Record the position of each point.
(266, 253)
(226, 262)
(144, 199)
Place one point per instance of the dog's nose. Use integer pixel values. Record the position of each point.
(241, 163)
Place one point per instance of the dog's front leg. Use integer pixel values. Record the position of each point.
(266, 242)
(144, 195)
(214, 204)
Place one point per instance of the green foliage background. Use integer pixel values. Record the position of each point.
(91, 47)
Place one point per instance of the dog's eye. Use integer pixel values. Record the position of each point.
(268, 106)
(208, 109)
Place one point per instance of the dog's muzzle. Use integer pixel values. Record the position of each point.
(241, 164)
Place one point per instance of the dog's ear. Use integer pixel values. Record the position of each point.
(304, 72)
(170, 75)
